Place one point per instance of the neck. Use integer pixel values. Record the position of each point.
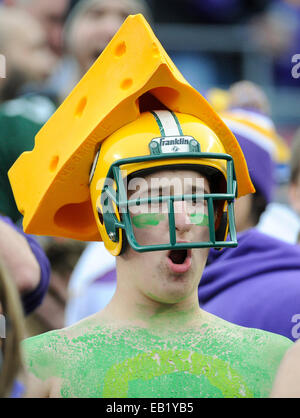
(131, 306)
(170, 316)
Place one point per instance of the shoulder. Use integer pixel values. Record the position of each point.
(288, 376)
(50, 357)
(49, 352)
(40, 361)
(256, 345)
(272, 346)
(41, 352)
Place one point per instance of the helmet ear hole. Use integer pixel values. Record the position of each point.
(100, 216)
(222, 229)
(124, 243)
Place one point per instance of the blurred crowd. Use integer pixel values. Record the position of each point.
(49, 45)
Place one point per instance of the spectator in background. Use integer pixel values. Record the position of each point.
(257, 284)
(283, 220)
(28, 58)
(248, 116)
(249, 96)
(92, 283)
(13, 327)
(30, 269)
(20, 120)
(24, 280)
(51, 16)
(89, 27)
(63, 255)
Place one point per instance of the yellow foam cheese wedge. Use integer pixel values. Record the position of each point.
(133, 74)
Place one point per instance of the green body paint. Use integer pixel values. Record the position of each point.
(144, 220)
(153, 365)
(220, 361)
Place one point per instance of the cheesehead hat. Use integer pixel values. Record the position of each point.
(51, 183)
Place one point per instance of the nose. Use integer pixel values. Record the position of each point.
(181, 216)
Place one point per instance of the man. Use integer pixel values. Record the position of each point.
(23, 279)
(51, 16)
(89, 27)
(155, 306)
(28, 59)
(283, 220)
(30, 270)
(10, 352)
(28, 56)
(160, 193)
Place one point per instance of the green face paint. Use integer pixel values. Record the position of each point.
(145, 220)
(199, 219)
(148, 219)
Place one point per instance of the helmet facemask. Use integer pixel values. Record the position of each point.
(114, 207)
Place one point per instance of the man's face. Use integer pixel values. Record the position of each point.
(95, 28)
(28, 53)
(168, 276)
(51, 15)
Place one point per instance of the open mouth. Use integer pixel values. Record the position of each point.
(178, 256)
(179, 261)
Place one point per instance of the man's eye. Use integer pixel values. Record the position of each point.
(199, 201)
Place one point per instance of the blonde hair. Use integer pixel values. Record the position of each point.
(246, 94)
(10, 345)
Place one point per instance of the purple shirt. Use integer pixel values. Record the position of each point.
(33, 299)
(255, 285)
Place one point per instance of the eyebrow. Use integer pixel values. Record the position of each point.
(203, 189)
